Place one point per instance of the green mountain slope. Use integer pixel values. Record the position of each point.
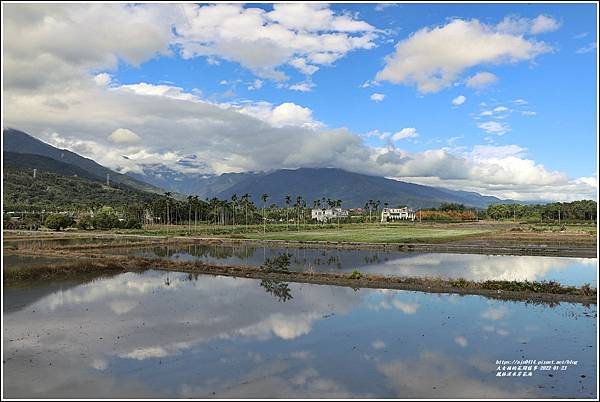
(51, 190)
(19, 142)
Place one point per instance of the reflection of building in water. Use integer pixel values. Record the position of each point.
(395, 214)
(324, 215)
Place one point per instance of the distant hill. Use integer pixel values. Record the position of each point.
(201, 185)
(353, 189)
(65, 190)
(19, 142)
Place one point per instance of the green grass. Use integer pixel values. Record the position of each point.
(370, 234)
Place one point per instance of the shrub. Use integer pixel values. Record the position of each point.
(85, 222)
(58, 221)
(106, 219)
(279, 263)
(355, 275)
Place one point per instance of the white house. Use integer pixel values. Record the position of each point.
(394, 214)
(324, 215)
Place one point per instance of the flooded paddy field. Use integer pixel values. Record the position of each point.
(168, 334)
(475, 267)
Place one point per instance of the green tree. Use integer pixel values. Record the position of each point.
(58, 221)
(264, 199)
(106, 218)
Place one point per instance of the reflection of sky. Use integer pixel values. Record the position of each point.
(141, 334)
(569, 271)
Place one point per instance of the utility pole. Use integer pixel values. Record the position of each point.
(559, 216)
(34, 173)
(108, 179)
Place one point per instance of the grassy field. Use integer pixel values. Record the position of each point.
(409, 232)
(371, 234)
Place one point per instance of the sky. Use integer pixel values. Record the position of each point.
(494, 98)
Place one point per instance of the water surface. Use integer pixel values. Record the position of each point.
(478, 267)
(170, 335)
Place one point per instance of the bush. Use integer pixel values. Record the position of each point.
(58, 221)
(355, 275)
(106, 219)
(85, 222)
(279, 263)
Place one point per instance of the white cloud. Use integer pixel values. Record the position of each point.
(487, 152)
(459, 100)
(587, 49)
(408, 132)
(520, 25)
(542, 24)
(369, 83)
(500, 109)
(528, 113)
(486, 113)
(304, 36)
(71, 110)
(494, 127)
(495, 313)
(481, 80)
(378, 344)
(377, 97)
(285, 114)
(123, 135)
(167, 91)
(520, 101)
(433, 58)
(102, 79)
(256, 84)
(305, 86)
(461, 341)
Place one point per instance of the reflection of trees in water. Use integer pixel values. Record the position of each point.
(281, 290)
(206, 251)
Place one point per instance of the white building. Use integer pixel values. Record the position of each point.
(394, 214)
(324, 215)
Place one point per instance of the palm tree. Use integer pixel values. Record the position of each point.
(288, 201)
(190, 200)
(196, 203)
(168, 220)
(264, 199)
(234, 200)
(377, 206)
(245, 199)
(338, 204)
(298, 205)
(369, 205)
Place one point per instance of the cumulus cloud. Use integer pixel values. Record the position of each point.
(71, 105)
(123, 135)
(433, 58)
(303, 36)
(459, 100)
(481, 80)
(377, 97)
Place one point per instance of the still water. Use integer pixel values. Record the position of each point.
(478, 267)
(159, 334)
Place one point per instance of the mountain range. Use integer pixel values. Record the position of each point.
(354, 189)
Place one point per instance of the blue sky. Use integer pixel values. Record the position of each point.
(538, 107)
